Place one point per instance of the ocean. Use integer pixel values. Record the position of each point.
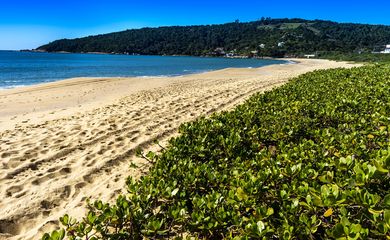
(29, 68)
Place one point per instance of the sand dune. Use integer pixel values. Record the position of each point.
(64, 142)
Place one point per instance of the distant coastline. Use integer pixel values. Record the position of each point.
(137, 54)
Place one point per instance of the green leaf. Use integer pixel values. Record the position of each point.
(174, 192)
(91, 217)
(133, 165)
(355, 228)
(241, 195)
(260, 226)
(386, 216)
(386, 200)
(380, 168)
(65, 219)
(270, 211)
(338, 231)
(46, 236)
(58, 235)
(138, 152)
(328, 212)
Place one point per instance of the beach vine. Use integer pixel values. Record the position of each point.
(308, 160)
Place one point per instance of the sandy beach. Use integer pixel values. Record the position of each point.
(64, 142)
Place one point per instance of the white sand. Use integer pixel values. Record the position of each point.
(67, 141)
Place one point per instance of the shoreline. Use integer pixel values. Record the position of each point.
(190, 72)
(64, 142)
(287, 61)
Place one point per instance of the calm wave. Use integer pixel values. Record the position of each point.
(26, 68)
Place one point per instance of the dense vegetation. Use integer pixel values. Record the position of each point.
(280, 37)
(357, 57)
(309, 160)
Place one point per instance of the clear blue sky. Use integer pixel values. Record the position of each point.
(31, 23)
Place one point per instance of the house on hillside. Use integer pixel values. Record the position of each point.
(387, 49)
(218, 52)
(309, 55)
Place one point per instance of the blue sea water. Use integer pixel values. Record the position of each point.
(28, 68)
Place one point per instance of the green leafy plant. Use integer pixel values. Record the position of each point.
(309, 160)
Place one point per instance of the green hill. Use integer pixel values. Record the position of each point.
(279, 37)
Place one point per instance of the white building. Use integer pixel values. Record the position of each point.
(387, 49)
(310, 56)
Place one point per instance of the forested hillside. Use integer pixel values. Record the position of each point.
(266, 37)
